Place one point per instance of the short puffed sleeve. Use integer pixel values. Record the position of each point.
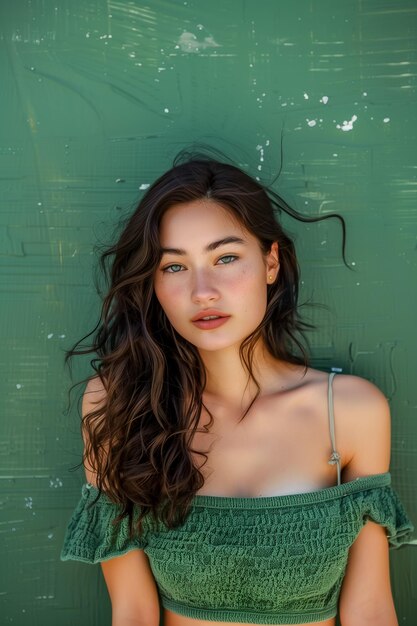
(384, 507)
(91, 536)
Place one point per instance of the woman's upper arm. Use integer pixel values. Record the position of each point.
(129, 579)
(132, 589)
(366, 596)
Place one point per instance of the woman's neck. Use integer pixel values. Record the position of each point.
(228, 382)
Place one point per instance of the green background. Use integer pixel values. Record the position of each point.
(97, 96)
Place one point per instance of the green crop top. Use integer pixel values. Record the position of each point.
(260, 560)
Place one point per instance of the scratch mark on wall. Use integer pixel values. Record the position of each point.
(71, 87)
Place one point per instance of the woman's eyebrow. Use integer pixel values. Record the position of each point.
(209, 248)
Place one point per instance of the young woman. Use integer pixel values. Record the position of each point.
(215, 490)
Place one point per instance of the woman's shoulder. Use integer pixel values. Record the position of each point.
(363, 422)
(94, 394)
(359, 398)
(95, 385)
(352, 393)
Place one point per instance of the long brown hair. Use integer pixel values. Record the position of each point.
(139, 441)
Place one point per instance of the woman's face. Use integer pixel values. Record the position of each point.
(202, 274)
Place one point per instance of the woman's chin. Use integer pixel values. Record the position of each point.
(212, 344)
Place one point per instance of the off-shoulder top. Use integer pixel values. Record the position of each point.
(259, 560)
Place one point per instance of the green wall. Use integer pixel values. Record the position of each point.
(97, 96)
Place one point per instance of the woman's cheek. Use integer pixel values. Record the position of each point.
(173, 298)
(244, 279)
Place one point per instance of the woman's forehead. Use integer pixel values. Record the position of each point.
(199, 218)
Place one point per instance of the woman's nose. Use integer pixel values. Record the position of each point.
(204, 287)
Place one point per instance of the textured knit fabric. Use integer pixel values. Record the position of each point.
(266, 560)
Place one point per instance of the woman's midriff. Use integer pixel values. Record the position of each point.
(173, 619)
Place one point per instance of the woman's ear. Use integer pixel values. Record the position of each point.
(272, 263)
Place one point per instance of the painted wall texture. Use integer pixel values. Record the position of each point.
(97, 96)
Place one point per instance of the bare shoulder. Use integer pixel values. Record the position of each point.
(94, 394)
(363, 422)
(354, 395)
(359, 393)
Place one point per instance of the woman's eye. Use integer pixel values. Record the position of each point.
(229, 256)
(168, 268)
(175, 268)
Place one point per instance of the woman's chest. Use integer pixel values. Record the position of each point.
(272, 453)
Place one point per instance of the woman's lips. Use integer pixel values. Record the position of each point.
(209, 324)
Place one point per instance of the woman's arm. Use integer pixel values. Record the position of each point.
(366, 596)
(129, 579)
(132, 590)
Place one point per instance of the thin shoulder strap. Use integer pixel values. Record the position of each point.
(335, 457)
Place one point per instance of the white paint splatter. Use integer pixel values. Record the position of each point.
(306, 96)
(28, 502)
(56, 482)
(188, 42)
(50, 335)
(324, 99)
(335, 154)
(166, 110)
(311, 122)
(61, 336)
(347, 125)
(18, 386)
(386, 120)
(144, 186)
(364, 93)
